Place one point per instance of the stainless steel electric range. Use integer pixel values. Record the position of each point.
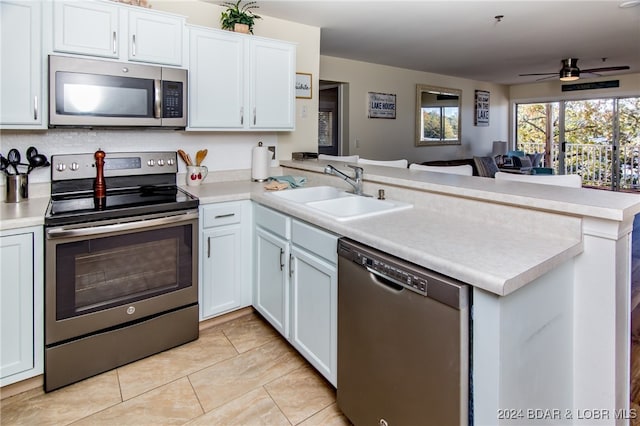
(121, 280)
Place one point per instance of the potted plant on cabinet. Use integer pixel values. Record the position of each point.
(239, 18)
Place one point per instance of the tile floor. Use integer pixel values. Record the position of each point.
(239, 372)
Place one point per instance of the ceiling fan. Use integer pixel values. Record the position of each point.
(571, 72)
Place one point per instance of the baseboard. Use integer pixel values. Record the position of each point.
(213, 322)
(23, 386)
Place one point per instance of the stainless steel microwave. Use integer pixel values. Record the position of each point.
(94, 93)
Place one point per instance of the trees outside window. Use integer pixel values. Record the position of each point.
(596, 138)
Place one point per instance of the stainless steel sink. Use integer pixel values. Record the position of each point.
(339, 204)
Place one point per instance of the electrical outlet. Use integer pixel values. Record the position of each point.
(357, 143)
(272, 149)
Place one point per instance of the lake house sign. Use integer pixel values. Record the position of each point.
(381, 105)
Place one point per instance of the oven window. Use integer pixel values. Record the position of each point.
(101, 273)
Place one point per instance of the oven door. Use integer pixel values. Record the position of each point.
(103, 275)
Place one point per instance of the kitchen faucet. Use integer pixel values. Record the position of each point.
(356, 181)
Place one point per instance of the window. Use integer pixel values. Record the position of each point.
(439, 123)
(598, 139)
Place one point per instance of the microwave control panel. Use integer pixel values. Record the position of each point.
(172, 99)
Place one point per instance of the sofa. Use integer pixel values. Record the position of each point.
(464, 161)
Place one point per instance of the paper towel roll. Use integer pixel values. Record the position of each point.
(260, 159)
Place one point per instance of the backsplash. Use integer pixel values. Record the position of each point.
(227, 151)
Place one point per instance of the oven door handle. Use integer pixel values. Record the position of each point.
(63, 232)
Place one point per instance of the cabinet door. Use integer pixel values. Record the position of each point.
(216, 80)
(20, 64)
(155, 38)
(272, 85)
(16, 304)
(271, 296)
(221, 286)
(86, 28)
(314, 297)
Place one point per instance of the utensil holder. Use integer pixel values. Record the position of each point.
(17, 188)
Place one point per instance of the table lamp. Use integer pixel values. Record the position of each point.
(499, 149)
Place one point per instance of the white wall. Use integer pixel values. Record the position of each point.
(395, 138)
(227, 150)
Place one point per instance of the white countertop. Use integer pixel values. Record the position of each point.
(23, 214)
(465, 249)
(595, 203)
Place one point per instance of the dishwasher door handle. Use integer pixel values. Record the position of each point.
(385, 281)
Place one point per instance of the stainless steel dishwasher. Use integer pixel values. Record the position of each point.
(403, 341)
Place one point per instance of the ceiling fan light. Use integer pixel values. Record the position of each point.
(569, 74)
(629, 3)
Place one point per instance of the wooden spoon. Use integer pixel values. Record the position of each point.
(200, 155)
(185, 157)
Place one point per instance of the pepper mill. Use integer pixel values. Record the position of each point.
(99, 185)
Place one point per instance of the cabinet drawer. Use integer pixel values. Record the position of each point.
(272, 221)
(315, 240)
(219, 215)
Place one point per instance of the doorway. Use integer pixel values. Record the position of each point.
(332, 118)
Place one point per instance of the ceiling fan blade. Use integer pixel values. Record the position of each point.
(547, 78)
(605, 69)
(539, 73)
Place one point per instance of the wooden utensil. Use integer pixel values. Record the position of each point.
(185, 157)
(200, 155)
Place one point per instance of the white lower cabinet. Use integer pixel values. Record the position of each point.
(225, 257)
(271, 280)
(296, 285)
(21, 304)
(314, 297)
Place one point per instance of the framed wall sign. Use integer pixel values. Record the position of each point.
(381, 105)
(482, 108)
(303, 85)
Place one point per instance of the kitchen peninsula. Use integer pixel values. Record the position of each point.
(549, 267)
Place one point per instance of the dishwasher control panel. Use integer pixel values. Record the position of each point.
(397, 275)
(404, 274)
(386, 266)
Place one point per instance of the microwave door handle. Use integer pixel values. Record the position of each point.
(157, 99)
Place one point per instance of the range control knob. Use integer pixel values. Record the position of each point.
(61, 167)
(151, 163)
(74, 166)
(171, 162)
(161, 162)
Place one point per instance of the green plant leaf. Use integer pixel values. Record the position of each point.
(238, 13)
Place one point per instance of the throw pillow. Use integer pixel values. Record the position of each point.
(486, 166)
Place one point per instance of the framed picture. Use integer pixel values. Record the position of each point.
(381, 105)
(482, 108)
(303, 85)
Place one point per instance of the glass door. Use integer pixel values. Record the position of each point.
(599, 139)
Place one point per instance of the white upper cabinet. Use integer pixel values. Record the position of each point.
(110, 30)
(272, 69)
(21, 65)
(86, 28)
(216, 80)
(155, 37)
(240, 82)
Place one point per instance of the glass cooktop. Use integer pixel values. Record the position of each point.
(79, 208)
